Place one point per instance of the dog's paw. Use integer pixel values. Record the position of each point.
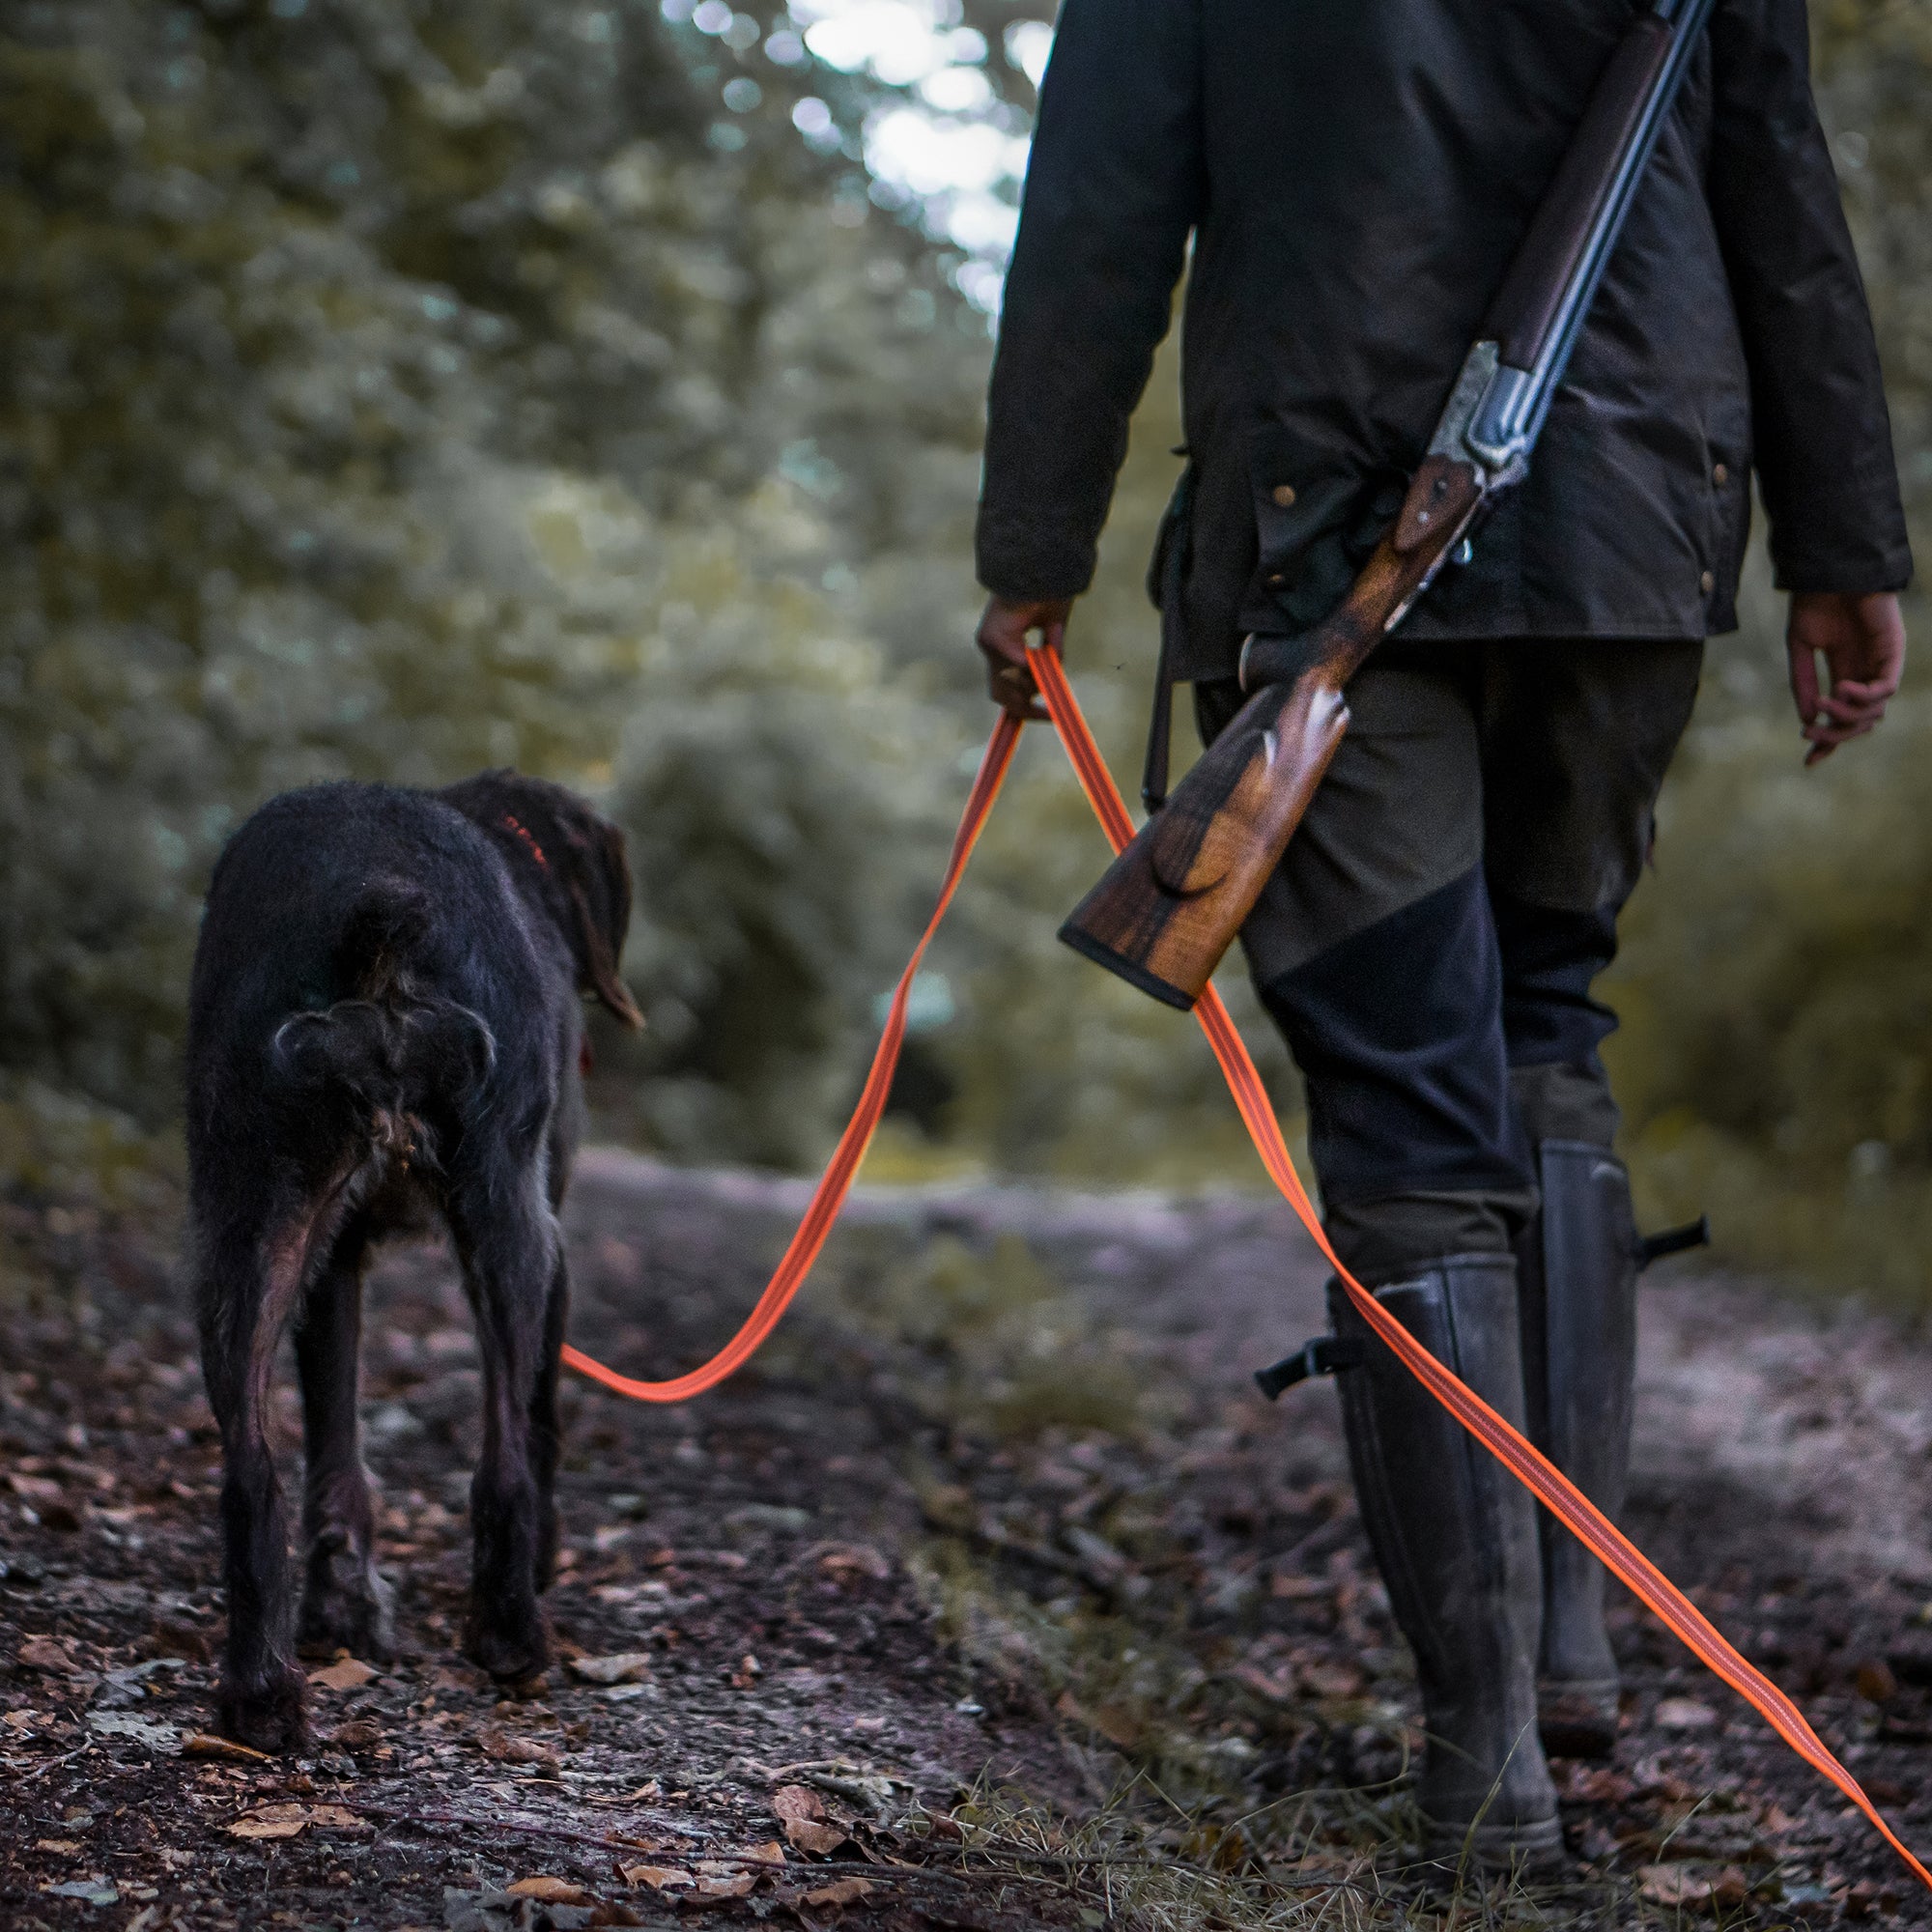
(512, 1645)
(352, 1609)
(269, 1712)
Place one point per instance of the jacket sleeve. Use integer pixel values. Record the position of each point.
(1112, 188)
(1822, 434)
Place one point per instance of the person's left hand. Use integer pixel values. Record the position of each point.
(1004, 630)
(1861, 640)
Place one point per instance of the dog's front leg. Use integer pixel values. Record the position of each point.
(511, 1250)
(245, 1295)
(345, 1603)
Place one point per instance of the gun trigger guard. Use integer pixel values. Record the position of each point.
(1324, 1355)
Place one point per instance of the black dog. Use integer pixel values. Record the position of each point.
(386, 1019)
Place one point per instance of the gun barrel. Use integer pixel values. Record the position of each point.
(1539, 311)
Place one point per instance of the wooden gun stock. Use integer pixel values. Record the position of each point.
(1170, 905)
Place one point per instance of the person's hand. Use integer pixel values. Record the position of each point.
(1863, 642)
(1004, 630)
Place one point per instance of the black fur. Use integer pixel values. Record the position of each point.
(386, 1021)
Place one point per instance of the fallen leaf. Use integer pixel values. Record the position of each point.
(855, 1559)
(271, 1821)
(552, 1891)
(624, 1667)
(56, 1845)
(1272, 1690)
(205, 1744)
(357, 1734)
(1331, 1679)
(45, 1653)
(507, 1748)
(346, 1673)
(721, 1881)
(802, 1813)
(660, 1878)
(1684, 1713)
(93, 1890)
(36, 1489)
(840, 1891)
(23, 1721)
(1679, 1886)
(770, 1853)
(1117, 1726)
(1293, 1587)
(339, 1816)
(792, 1802)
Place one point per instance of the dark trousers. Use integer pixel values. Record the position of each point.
(1429, 943)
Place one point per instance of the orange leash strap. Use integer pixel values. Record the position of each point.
(835, 1183)
(1548, 1484)
(1541, 1478)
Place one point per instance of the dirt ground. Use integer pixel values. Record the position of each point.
(990, 1596)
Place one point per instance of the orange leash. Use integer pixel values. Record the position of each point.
(1547, 1483)
(836, 1180)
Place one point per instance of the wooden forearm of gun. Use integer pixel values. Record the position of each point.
(1171, 904)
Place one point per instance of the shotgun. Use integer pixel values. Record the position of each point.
(1171, 904)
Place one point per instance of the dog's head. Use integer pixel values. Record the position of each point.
(574, 856)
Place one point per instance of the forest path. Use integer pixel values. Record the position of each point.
(993, 1559)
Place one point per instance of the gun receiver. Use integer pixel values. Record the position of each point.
(1170, 905)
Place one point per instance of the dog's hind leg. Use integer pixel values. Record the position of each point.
(512, 1254)
(248, 1283)
(345, 1603)
(546, 1425)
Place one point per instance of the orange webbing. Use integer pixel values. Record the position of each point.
(1544, 1480)
(836, 1180)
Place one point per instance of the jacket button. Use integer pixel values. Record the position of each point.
(1284, 495)
(1721, 475)
(1707, 584)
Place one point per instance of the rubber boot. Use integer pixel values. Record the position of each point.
(1455, 1537)
(1577, 1268)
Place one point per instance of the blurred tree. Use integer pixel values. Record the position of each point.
(1777, 1058)
(395, 389)
(392, 387)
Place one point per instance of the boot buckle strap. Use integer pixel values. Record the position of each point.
(1322, 1356)
(1673, 1241)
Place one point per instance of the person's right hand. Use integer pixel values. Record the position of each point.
(1004, 630)
(1863, 642)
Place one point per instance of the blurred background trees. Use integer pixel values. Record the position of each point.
(393, 387)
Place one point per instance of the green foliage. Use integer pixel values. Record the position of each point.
(394, 391)
(1775, 1064)
(393, 387)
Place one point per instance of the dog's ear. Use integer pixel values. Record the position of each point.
(601, 927)
(575, 859)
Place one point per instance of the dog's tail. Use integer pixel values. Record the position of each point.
(399, 1052)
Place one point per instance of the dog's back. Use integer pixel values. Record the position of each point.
(364, 963)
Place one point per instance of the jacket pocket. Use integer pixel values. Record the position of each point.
(1317, 519)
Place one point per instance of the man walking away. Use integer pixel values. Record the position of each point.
(1354, 179)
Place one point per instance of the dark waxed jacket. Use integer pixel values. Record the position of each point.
(1355, 175)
